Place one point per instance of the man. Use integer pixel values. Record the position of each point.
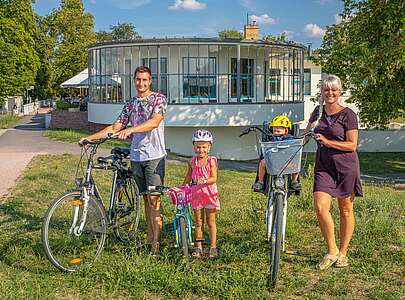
(146, 114)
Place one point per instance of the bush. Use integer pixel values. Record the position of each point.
(64, 105)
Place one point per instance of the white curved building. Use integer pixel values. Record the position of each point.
(221, 85)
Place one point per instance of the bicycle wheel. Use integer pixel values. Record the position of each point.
(276, 238)
(127, 211)
(66, 247)
(183, 235)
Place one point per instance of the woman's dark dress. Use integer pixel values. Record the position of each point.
(336, 172)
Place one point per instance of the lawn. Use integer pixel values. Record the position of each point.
(370, 163)
(8, 120)
(377, 250)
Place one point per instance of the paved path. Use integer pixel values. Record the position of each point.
(20, 144)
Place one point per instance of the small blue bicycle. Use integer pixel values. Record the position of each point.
(183, 222)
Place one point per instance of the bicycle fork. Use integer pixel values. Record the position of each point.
(74, 229)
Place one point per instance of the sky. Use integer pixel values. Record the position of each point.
(303, 21)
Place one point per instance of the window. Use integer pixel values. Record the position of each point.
(152, 64)
(307, 82)
(199, 80)
(246, 77)
(272, 83)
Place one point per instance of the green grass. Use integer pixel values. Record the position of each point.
(374, 163)
(370, 163)
(74, 135)
(8, 120)
(376, 252)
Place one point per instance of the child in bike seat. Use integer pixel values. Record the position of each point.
(280, 126)
(202, 171)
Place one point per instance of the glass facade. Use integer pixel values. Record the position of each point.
(191, 72)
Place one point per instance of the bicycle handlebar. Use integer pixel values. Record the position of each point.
(250, 129)
(97, 142)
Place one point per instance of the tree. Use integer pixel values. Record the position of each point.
(366, 50)
(282, 37)
(73, 30)
(103, 36)
(124, 31)
(19, 62)
(230, 34)
(44, 45)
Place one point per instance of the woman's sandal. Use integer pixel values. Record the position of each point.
(213, 252)
(327, 261)
(342, 261)
(197, 252)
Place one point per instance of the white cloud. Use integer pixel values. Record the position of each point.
(129, 4)
(338, 19)
(263, 19)
(187, 5)
(314, 30)
(93, 1)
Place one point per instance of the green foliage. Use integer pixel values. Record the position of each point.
(103, 36)
(44, 44)
(282, 37)
(230, 34)
(366, 50)
(72, 29)
(124, 31)
(64, 105)
(8, 120)
(19, 61)
(121, 31)
(240, 272)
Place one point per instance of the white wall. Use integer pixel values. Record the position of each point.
(206, 115)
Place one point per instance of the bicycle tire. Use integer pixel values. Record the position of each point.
(276, 239)
(127, 211)
(269, 217)
(66, 250)
(183, 235)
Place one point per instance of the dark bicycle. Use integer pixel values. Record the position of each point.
(74, 227)
(282, 159)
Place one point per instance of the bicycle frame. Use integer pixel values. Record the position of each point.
(89, 188)
(180, 197)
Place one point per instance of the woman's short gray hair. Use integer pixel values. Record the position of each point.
(332, 81)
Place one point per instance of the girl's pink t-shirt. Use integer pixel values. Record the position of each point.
(203, 195)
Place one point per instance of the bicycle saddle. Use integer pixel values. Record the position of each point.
(121, 152)
(106, 160)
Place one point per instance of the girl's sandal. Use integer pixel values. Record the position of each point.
(342, 261)
(197, 252)
(327, 261)
(213, 252)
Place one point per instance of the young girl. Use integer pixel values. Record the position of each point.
(202, 170)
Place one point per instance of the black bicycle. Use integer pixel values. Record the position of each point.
(74, 227)
(282, 159)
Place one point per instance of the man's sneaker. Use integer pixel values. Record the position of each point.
(295, 185)
(258, 186)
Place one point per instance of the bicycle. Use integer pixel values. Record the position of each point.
(74, 227)
(282, 158)
(182, 222)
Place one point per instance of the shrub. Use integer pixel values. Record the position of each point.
(64, 105)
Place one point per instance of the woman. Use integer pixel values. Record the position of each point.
(337, 170)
